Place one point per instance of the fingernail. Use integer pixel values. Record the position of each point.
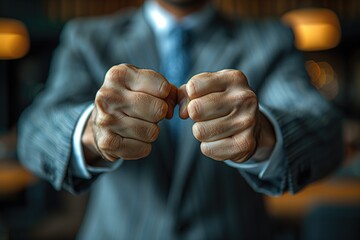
(183, 107)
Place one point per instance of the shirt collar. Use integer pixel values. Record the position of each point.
(162, 21)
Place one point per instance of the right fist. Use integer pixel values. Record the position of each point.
(127, 110)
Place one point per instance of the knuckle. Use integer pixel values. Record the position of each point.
(118, 73)
(237, 76)
(245, 97)
(164, 89)
(125, 67)
(145, 150)
(238, 98)
(109, 143)
(164, 86)
(248, 122)
(245, 145)
(131, 128)
(191, 87)
(240, 144)
(100, 96)
(106, 97)
(113, 72)
(194, 109)
(199, 131)
(149, 73)
(160, 110)
(153, 132)
(250, 97)
(103, 120)
(206, 150)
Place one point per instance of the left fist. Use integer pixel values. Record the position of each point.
(227, 119)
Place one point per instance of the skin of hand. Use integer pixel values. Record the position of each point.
(227, 119)
(127, 109)
(132, 101)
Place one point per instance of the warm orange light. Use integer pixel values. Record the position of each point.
(314, 29)
(14, 39)
(324, 78)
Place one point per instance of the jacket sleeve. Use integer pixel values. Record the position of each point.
(46, 128)
(309, 124)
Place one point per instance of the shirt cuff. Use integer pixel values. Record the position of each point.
(77, 164)
(271, 168)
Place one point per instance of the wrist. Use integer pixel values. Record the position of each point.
(91, 155)
(266, 141)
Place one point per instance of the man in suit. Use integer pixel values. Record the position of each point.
(252, 123)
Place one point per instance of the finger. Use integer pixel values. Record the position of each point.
(136, 129)
(171, 100)
(134, 150)
(219, 128)
(211, 106)
(138, 80)
(112, 147)
(145, 107)
(205, 83)
(237, 149)
(134, 104)
(183, 101)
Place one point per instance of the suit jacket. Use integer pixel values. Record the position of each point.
(198, 198)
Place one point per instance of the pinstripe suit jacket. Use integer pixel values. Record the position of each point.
(200, 198)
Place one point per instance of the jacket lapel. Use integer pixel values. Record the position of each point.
(213, 49)
(139, 44)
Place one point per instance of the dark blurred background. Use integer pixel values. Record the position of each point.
(329, 209)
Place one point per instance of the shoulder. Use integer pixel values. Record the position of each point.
(95, 28)
(267, 32)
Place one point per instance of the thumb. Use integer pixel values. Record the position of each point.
(183, 101)
(171, 101)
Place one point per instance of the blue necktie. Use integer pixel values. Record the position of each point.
(176, 62)
(175, 67)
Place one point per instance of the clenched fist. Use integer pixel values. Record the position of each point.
(127, 110)
(227, 119)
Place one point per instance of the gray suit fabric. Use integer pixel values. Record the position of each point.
(199, 198)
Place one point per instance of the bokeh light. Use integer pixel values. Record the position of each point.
(324, 78)
(315, 28)
(14, 39)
